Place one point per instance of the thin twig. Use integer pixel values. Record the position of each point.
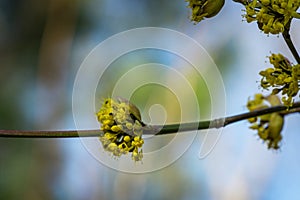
(289, 42)
(50, 134)
(221, 122)
(155, 129)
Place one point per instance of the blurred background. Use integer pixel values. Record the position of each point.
(43, 43)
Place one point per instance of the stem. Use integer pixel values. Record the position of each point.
(296, 15)
(156, 129)
(222, 122)
(289, 42)
(50, 134)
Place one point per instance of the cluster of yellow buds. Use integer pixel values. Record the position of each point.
(204, 8)
(283, 77)
(268, 126)
(272, 16)
(122, 128)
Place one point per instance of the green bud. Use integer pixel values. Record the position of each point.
(205, 8)
(275, 127)
(213, 7)
(273, 100)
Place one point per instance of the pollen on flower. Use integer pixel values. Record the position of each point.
(122, 128)
(268, 126)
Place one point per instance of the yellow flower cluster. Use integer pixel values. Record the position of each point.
(204, 8)
(283, 77)
(268, 126)
(272, 16)
(122, 128)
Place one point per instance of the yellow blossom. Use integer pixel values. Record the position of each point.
(284, 78)
(122, 128)
(272, 16)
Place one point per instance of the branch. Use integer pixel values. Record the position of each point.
(155, 129)
(49, 134)
(222, 122)
(289, 42)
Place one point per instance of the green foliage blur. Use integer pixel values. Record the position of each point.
(42, 44)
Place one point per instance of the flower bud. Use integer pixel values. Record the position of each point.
(213, 7)
(205, 8)
(275, 127)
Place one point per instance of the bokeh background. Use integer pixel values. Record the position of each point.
(42, 44)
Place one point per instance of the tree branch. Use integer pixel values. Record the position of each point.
(289, 42)
(155, 129)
